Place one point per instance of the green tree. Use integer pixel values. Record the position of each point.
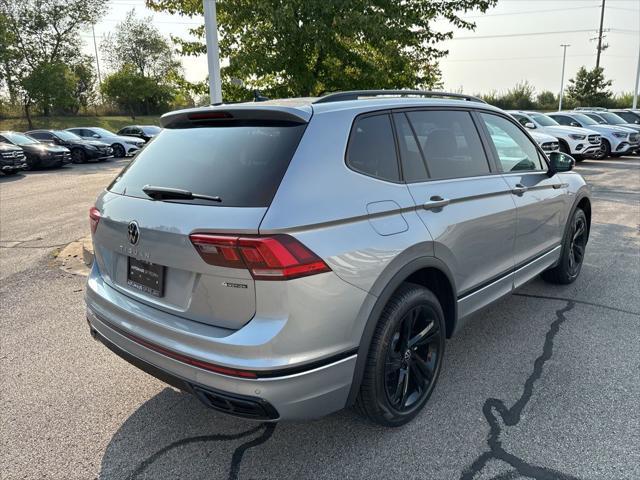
(136, 93)
(136, 42)
(590, 88)
(307, 47)
(44, 35)
(547, 100)
(147, 77)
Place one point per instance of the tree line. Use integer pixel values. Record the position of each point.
(281, 48)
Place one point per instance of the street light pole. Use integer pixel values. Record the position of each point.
(95, 47)
(564, 59)
(635, 90)
(213, 56)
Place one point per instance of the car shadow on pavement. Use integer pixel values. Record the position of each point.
(11, 178)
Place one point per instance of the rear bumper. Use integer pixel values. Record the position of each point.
(299, 396)
(302, 364)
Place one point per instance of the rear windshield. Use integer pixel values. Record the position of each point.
(243, 165)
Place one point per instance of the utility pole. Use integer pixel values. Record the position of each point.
(600, 35)
(213, 55)
(635, 90)
(95, 47)
(564, 59)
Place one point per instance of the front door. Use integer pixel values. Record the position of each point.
(539, 199)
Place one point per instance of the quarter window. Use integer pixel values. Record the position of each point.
(450, 143)
(372, 148)
(515, 151)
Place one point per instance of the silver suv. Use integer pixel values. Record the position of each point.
(287, 259)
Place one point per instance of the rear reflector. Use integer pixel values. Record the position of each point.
(275, 257)
(94, 218)
(188, 360)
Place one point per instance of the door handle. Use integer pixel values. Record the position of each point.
(436, 202)
(519, 189)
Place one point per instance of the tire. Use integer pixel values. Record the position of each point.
(78, 156)
(118, 151)
(10, 172)
(564, 148)
(605, 150)
(400, 375)
(573, 249)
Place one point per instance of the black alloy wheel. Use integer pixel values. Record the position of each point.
(78, 156)
(118, 150)
(573, 251)
(578, 244)
(413, 358)
(405, 357)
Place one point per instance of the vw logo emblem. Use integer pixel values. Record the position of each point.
(133, 233)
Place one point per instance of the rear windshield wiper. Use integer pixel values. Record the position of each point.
(166, 193)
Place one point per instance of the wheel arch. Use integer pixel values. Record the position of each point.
(427, 271)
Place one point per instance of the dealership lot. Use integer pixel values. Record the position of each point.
(544, 384)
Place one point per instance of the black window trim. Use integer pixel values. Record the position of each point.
(376, 113)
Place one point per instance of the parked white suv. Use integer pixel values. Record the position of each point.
(548, 143)
(581, 143)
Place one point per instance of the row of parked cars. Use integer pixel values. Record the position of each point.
(585, 132)
(55, 148)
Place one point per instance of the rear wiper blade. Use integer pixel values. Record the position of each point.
(167, 193)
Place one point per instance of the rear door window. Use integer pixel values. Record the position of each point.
(450, 143)
(372, 149)
(243, 165)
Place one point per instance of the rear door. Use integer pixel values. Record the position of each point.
(465, 205)
(539, 199)
(143, 247)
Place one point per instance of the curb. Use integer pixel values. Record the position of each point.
(87, 251)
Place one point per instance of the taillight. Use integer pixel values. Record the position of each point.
(274, 257)
(94, 218)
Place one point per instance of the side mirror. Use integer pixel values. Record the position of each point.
(575, 124)
(530, 125)
(560, 162)
(95, 135)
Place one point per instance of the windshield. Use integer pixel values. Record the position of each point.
(584, 119)
(612, 118)
(64, 135)
(151, 129)
(19, 139)
(597, 117)
(544, 120)
(102, 131)
(243, 165)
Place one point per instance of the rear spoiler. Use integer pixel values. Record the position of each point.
(236, 114)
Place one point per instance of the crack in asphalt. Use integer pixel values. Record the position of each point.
(495, 409)
(582, 302)
(236, 459)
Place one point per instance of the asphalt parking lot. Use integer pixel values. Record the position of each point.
(544, 385)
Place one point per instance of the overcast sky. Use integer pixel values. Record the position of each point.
(517, 40)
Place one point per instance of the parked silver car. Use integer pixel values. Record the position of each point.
(306, 255)
(122, 145)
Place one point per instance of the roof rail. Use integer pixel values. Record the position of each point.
(357, 94)
(590, 109)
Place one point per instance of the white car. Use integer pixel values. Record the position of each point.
(548, 143)
(122, 145)
(579, 142)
